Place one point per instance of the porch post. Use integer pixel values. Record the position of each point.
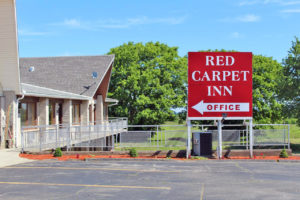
(44, 111)
(99, 109)
(2, 122)
(67, 112)
(56, 113)
(84, 113)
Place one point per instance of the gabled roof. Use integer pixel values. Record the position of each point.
(71, 74)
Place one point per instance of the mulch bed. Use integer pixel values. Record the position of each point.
(83, 157)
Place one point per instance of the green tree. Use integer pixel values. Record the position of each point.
(291, 84)
(267, 74)
(148, 80)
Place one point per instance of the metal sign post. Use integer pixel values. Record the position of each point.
(219, 139)
(188, 149)
(251, 137)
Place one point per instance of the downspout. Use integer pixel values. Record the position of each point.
(17, 116)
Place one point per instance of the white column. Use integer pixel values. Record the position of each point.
(67, 112)
(219, 139)
(99, 109)
(43, 111)
(2, 122)
(56, 113)
(92, 112)
(251, 137)
(84, 113)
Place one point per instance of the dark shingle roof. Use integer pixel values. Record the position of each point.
(70, 74)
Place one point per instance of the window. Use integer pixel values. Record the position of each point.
(76, 113)
(28, 114)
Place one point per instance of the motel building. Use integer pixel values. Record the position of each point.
(39, 93)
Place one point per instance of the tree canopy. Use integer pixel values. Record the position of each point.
(148, 80)
(290, 92)
(267, 74)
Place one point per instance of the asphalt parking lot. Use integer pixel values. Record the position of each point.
(165, 180)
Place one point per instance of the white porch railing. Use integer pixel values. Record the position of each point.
(39, 138)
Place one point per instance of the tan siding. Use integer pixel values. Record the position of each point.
(9, 58)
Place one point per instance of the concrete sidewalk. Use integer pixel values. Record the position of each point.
(11, 157)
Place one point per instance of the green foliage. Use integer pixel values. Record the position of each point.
(283, 154)
(290, 92)
(148, 80)
(57, 152)
(267, 74)
(133, 153)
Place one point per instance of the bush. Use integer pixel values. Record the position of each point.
(57, 153)
(283, 154)
(133, 153)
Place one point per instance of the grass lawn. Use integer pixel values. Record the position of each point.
(172, 136)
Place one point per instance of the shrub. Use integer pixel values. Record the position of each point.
(283, 154)
(57, 153)
(133, 153)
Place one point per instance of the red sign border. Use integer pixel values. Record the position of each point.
(218, 118)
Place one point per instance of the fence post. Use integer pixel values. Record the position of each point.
(247, 135)
(56, 136)
(150, 136)
(22, 141)
(40, 137)
(289, 144)
(251, 137)
(219, 139)
(69, 138)
(157, 144)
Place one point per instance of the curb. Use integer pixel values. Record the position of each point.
(189, 160)
(130, 159)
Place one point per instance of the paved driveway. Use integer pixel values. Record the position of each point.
(161, 180)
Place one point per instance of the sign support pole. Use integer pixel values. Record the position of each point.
(220, 139)
(251, 137)
(188, 148)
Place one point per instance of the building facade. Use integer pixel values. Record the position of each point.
(50, 90)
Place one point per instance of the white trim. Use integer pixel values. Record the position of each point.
(110, 65)
(68, 94)
(17, 47)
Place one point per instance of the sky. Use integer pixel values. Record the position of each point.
(93, 27)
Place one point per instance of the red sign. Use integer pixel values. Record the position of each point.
(219, 83)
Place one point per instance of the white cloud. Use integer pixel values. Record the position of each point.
(265, 2)
(291, 11)
(119, 24)
(25, 32)
(236, 35)
(248, 18)
(244, 18)
(72, 22)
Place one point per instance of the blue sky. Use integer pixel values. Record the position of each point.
(78, 27)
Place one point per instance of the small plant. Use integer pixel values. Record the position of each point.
(133, 153)
(57, 152)
(199, 158)
(283, 154)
